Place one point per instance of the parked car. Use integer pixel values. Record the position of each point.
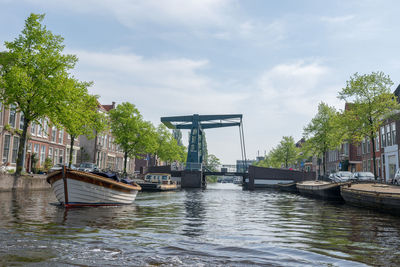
(59, 166)
(88, 167)
(341, 176)
(363, 176)
(56, 167)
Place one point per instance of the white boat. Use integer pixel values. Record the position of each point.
(158, 182)
(77, 188)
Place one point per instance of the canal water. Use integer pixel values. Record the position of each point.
(219, 226)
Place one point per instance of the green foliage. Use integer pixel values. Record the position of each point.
(371, 102)
(323, 132)
(285, 154)
(213, 162)
(177, 133)
(167, 148)
(34, 161)
(211, 179)
(48, 163)
(33, 75)
(135, 136)
(79, 115)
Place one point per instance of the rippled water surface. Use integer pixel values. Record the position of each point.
(219, 226)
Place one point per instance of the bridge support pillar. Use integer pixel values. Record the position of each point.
(192, 179)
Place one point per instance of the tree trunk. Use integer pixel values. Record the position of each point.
(125, 162)
(373, 153)
(21, 148)
(324, 162)
(71, 150)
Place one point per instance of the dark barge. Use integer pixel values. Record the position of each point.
(381, 197)
(320, 189)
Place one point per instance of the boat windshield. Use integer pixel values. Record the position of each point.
(366, 174)
(87, 165)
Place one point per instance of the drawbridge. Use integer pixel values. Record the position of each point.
(197, 124)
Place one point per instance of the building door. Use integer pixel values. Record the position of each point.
(392, 166)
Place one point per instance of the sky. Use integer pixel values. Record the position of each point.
(272, 61)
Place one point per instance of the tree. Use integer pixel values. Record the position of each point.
(285, 153)
(371, 102)
(80, 115)
(33, 74)
(321, 133)
(135, 136)
(177, 133)
(167, 148)
(213, 162)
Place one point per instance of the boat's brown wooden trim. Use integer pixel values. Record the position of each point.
(370, 193)
(93, 179)
(63, 172)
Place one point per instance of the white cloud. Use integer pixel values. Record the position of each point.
(285, 99)
(130, 13)
(286, 81)
(338, 19)
(160, 87)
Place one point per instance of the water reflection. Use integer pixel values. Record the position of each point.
(222, 225)
(195, 213)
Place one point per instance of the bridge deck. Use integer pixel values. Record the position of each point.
(243, 174)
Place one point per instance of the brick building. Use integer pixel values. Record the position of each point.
(44, 140)
(102, 151)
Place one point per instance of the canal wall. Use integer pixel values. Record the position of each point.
(9, 182)
(260, 177)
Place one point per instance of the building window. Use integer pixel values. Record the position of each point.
(346, 149)
(74, 156)
(53, 134)
(383, 136)
(388, 136)
(21, 121)
(368, 146)
(45, 128)
(36, 149)
(60, 137)
(15, 149)
(33, 128)
(363, 148)
(50, 154)
(55, 156)
(377, 147)
(42, 155)
(394, 133)
(11, 119)
(61, 156)
(40, 129)
(6, 148)
(67, 156)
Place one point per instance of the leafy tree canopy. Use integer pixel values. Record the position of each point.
(135, 136)
(34, 76)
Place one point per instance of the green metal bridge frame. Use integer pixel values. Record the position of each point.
(197, 124)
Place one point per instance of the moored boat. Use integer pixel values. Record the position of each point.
(158, 182)
(288, 187)
(320, 189)
(77, 188)
(381, 197)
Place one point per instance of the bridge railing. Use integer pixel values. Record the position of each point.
(193, 166)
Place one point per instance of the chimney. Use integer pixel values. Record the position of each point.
(113, 104)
